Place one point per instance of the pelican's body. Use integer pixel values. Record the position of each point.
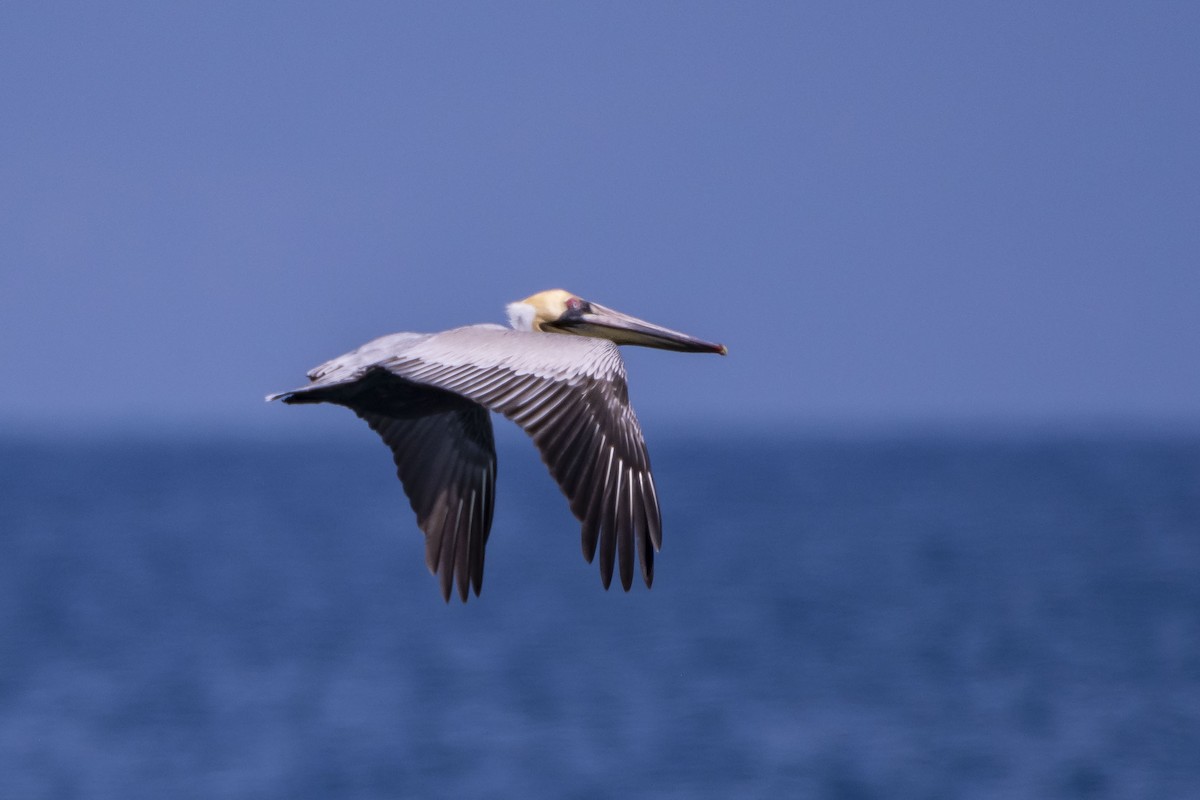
(428, 397)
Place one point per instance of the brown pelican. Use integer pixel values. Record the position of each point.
(428, 396)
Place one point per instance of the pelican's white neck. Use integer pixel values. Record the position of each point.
(520, 316)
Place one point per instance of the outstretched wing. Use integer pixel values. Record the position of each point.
(446, 462)
(444, 452)
(569, 394)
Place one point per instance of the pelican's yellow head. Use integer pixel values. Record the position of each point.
(559, 311)
(540, 309)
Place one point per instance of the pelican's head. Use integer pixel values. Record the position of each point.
(558, 311)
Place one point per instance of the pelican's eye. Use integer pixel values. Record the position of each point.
(576, 308)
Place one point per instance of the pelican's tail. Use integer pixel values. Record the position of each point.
(305, 394)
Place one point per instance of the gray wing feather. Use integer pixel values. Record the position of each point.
(569, 394)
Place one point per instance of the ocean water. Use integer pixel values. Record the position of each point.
(879, 616)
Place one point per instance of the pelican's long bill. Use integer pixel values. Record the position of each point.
(591, 319)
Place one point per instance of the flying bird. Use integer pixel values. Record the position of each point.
(558, 375)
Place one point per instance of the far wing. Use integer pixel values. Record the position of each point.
(447, 464)
(442, 445)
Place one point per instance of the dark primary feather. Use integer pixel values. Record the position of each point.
(446, 462)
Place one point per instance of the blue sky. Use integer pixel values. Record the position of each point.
(904, 213)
